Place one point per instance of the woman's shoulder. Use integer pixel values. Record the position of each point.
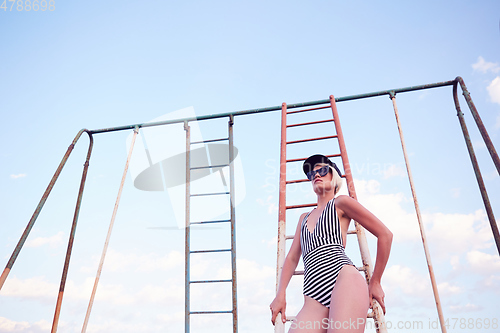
(303, 216)
(341, 202)
(301, 221)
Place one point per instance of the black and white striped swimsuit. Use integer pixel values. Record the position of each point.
(323, 254)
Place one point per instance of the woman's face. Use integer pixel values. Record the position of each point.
(322, 184)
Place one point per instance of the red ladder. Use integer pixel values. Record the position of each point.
(376, 313)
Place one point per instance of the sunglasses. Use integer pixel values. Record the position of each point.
(321, 171)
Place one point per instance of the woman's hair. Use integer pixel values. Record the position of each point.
(336, 179)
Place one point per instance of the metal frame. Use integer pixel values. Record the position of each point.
(457, 81)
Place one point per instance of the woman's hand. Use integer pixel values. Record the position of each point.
(375, 290)
(278, 306)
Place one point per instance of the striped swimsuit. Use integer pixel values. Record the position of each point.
(323, 254)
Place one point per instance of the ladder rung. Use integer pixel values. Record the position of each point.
(290, 318)
(298, 273)
(207, 141)
(209, 312)
(208, 251)
(297, 181)
(211, 281)
(312, 139)
(207, 222)
(289, 237)
(361, 269)
(311, 123)
(301, 206)
(351, 232)
(205, 194)
(311, 109)
(304, 158)
(210, 166)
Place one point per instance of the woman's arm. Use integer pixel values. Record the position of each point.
(354, 210)
(292, 259)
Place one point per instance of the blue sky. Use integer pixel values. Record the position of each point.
(102, 64)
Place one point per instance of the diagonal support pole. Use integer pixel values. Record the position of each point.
(110, 229)
(71, 240)
(472, 155)
(38, 209)
(419, 217)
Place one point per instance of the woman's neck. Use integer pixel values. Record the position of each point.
(324, 198)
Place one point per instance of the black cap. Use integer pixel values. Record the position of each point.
(311, 161)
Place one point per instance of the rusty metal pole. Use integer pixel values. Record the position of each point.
(479, 122)
(475, 165)
(110, 229)
(187, 278)
(363, 244)
(38, 209)
(71, 239)
(419, 217)
(279, 326)
(233, 225)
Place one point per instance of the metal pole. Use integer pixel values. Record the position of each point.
(363, 244)
(419, 217)
(187, 308)
(38, 209)
(475, 165)
(479, 122)
(279, 326)
(233, 224)
(110, 229)
(71, 240)
(276, 108)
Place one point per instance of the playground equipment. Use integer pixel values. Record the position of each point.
(300, 107)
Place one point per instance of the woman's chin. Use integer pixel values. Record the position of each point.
(319, 189)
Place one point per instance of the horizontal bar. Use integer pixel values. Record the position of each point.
(289, 237)
(301, 206)
(304, 158)
(361, 268)
(311, 109)
(210, 166)
(273, 108)
(208, 251)
(205, 194)
(211, 281)
(209, 312)
(352, 232)
(208, 141)
(298, 273)
(312, 139)
(297, 181)
(207, 222)
(311, 123)
(290, 318)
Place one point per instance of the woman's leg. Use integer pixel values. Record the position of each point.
(349, 304)
(312, 318)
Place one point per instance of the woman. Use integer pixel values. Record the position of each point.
(336, 297)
